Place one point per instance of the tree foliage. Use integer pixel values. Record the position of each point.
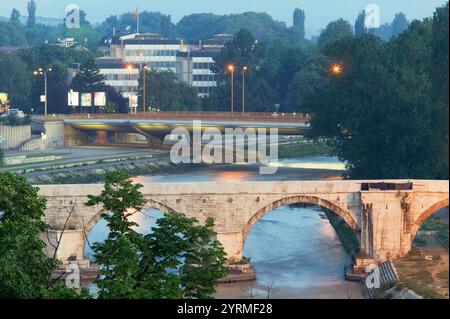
(165, 92)
(178, 259)
(24, 268)
(380, 112)
(334, 31)
(31, 6)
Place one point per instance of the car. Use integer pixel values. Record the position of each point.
(14, 112)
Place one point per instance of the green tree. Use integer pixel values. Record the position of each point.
(31, 6)
(335, 30)
(118, 255)
(88, 78)
(57, 89)
(439, 80)
(399, 24)
(165, 92)
(192, 253)
(15, 16)
(15, 79)
(11, 34)
(178, 259)
(360, 26)
(379, 111)
(2, 155)
(24, 268)
(299, 22)
(165, 26)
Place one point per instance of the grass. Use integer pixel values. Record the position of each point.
(42, 154)
(414, 275)
(437, 224)
(303, 150)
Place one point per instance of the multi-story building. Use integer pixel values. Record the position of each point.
(197, 69)
(192, 62)
(150, 49)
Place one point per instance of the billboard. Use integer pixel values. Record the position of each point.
(73, 98)
(100, 99)
(86, 99)
(134, 100)
(3, 98)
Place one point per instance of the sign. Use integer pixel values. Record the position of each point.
(86, 99)
(73, 98)
(134, 100)
(43, 98)
(100, 99)
(3, 98)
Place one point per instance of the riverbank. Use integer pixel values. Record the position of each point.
(95, 170)
(425, 269)
(88, 175)
(303, 149)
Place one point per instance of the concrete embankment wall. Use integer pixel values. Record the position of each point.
(14, 136)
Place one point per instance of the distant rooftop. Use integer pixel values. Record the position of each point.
(13, 49)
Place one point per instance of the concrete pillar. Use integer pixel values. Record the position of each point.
(233, 244)
(71, 245)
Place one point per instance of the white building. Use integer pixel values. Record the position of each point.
(197, 69)
(192, 62)
(150, 49)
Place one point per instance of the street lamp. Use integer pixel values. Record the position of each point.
(144, 92)
(130, 67)
(43, 72)
(336, 69)
(243, 89)
(231, 69)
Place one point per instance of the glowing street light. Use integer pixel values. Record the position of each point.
(336, 69)
(43, 72)
(244, 69)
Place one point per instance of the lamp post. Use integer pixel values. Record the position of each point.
(43, 72)
(231, 69)
(144, 91)
(130, 67)
(244, 69)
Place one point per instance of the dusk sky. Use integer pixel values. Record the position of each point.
(318, 12)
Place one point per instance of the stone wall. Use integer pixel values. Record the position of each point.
(14, 135)
(384, 223)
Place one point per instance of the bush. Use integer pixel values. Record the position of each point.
(12, 120)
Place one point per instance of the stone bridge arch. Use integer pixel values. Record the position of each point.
(298, 199)
(150, 204)
(427, 213)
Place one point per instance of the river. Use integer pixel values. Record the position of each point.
(295, 251)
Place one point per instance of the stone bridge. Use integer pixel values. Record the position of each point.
(385, 215)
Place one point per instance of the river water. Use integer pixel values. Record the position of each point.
(295, 251)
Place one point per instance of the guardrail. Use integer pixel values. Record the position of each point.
(183, 116)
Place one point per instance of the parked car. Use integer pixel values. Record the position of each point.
(14, 112)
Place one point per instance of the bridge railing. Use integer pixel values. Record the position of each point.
(185, 116)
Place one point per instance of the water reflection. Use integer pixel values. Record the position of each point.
(298, 248)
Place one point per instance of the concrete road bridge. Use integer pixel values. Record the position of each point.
(103, 128)
(385, 215)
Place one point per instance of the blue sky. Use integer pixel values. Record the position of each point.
(318, 12)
